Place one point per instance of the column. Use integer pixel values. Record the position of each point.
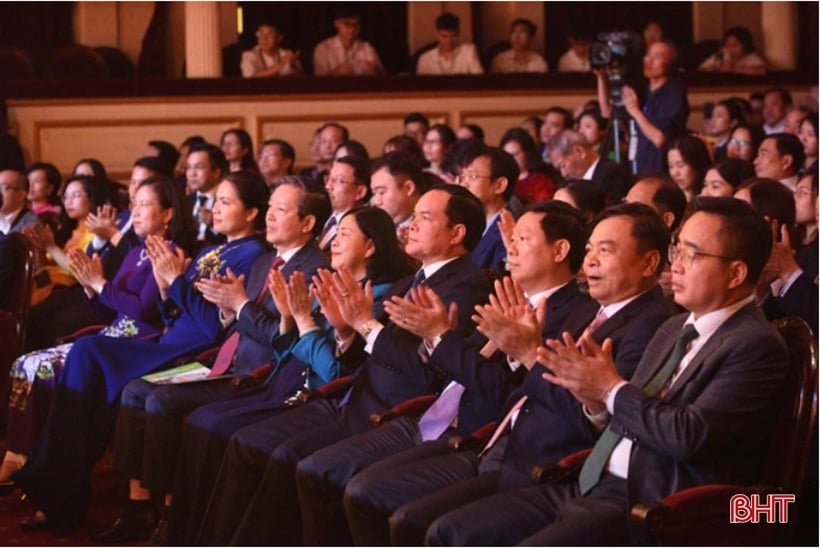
(203, 54)
(779, 24)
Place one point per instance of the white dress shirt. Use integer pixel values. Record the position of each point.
(331, 53)
(463, 61)
(506, 62)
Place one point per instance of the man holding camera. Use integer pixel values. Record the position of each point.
(664, 112)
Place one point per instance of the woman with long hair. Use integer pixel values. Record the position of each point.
(533, 183)
(438, 141)
(56, 476)
(158, 210)
(238, 148)
(688, 160)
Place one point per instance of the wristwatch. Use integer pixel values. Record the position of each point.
(367, 327)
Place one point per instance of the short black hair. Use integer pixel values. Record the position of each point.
(563, 222)
(416, 117)
(465, 209)
(588, 197)
(215, 155)
(788, 144)
(285, 149)
(166, 152)
(501, 165)
(564, 113)
(52, 176)
(337, 125)
(735, 171)
(531, 28)
(785, 96)
(403, 167)
(155, 164)
(361, 171)
(670, 198)
(744, 234)
(744, 37)
(648, 229)
(407, 144)
(476, 130)
(447, 21)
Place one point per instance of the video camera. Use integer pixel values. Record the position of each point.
(619, 53)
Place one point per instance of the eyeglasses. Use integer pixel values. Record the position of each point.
(73, 196)
(269, 155)
(470, 177)
(739, 142)
(687, 255)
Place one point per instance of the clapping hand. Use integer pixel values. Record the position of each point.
(506, 224)
(103, 223)
(227, 292)
(167, 263)
(320, 289)
(299, 301)
(422, 314)
(355, 304)
(584, 368)
(510, 323)
(87, 270)
(40, 236)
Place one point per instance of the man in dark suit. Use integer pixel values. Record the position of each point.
(546, 250)
(151, 416)
(624, 257)
(205, 167)
(348, 185)
(490, 174)
(575, 158)
(257, 477)
(699, 409)
(8, 267)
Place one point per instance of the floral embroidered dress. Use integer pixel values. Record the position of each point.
(133, 294)
(56, 477)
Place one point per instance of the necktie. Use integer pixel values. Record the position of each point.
(597, 459)
(227, 351)
(327, 232)
(501, 428)
(442, 413)
(597, 321)
(418, 279)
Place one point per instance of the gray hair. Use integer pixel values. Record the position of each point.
(564, 141)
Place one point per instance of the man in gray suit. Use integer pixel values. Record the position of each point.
(699, 409)
(14, 215)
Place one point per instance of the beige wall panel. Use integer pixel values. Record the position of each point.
(116, 130)
(115, 145)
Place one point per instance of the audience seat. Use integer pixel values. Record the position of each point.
(13, 319)
(414, 407)
(76, 62)
(492, 51)
(16, 64)
(119, 65)
(701, 515)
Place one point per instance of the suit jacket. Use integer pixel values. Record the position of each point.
(713, 425)
(488, 381)
(258, 323)
(394, 371)
(490, 252)
(551, 423)
(112, 256)
(23, 219)
(211, 237)
(8, 268)
(613, 179)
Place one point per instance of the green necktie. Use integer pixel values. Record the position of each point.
(597, 459)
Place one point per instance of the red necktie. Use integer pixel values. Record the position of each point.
(227, 351)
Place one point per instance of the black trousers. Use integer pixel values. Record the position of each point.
(149, 427)
(254, 497)
(321, 478)
(550, 515)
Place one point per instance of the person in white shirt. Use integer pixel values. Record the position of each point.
(780, 157)
(520, 57)
(449, 57)
(737, 54)
(344, 54)
(576, 58)
(776, 104)
(267, 58)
